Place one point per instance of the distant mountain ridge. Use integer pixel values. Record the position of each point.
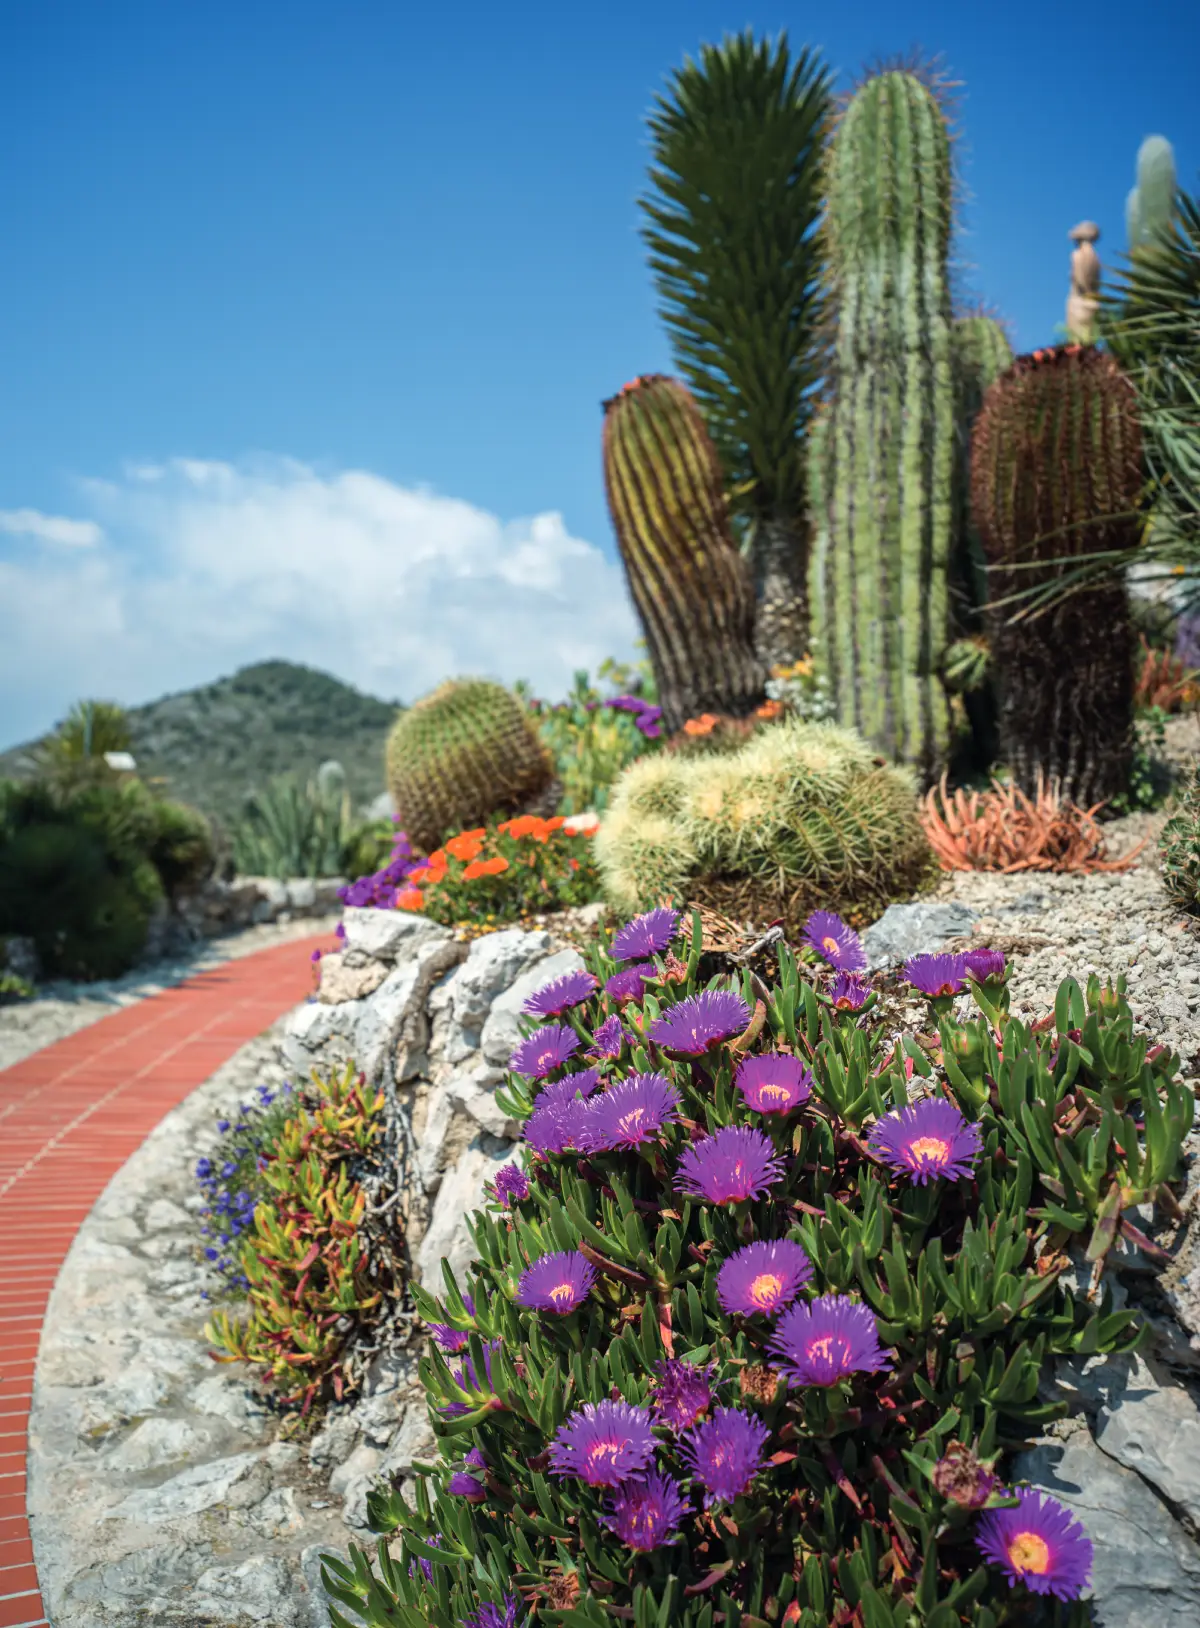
(215, 744)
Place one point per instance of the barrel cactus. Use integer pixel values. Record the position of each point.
(466, 751)
(690, 586)
(803, 815)
(1056, 474)
(883, 468)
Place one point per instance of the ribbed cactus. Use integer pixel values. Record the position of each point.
(884, 450)
(691, 587)
(1056, 474)
(460, 754)
(1151, 203)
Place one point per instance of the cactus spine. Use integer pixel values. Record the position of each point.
(691, 587)
(462, 753)
(1150, 206)
(1056, 474)
(884, 454)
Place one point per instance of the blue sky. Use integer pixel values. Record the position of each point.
(308, 310)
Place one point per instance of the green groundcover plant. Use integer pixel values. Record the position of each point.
(763, 1310)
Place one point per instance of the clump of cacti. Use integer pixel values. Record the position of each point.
(462, 753)
(1179, 848)
(884, 450)
(1151, 202)
(1056, 475)
(803, 814)
(690, 585)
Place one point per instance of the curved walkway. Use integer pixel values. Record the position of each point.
(70, 1116)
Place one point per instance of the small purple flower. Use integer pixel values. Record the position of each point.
(316, 956)
(822, 1341)
(556, 1126)
(644, 1514)
(849, 992)
(649, 722)
(725, 1453)
(763, 1277)
(476, 1459)
(835, 942)
(683, 1395)
(985, 966)
(936, 975)
(629, 984)
(510, 1185)
(1039, 1543)
(557, 1282)
(543, 1051)
(645, 936)
(469, 1379)
(608, 1039)
(774, 1083)
(203, 1169)
(604, 1443)
(339, 931)
(630, 1112)
(426, 1566)
(453, 1339)
(568, 1087)
(734, 1164)
(699, 1022)
(462, 1485)
(556, 997)
(930, 1138)
(494, 1616)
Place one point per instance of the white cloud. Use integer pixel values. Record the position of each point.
(51, 528)
(209, 566)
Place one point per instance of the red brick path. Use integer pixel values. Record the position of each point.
(70, 1116)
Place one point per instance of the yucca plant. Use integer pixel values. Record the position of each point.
(731, 226)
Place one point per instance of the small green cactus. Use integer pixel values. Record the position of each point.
(466, 751)
(1151, 203)
(1179, 848)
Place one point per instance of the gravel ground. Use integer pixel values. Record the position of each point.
(59, 1009)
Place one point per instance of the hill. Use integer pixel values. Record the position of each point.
(213, 744)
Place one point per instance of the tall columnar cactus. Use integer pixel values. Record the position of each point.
(1151, 203)
(462, 753)
(690, 585)
(1056, 474)
(981, 354)
(884, 451)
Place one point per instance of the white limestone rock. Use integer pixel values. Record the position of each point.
(461, 1192)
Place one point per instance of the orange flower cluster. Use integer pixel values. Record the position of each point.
(466, 847)
(530, 825)
(703, 725)
(769, 709)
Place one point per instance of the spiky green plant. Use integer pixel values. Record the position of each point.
(689, 584)
(462, 753)
(1179, 848)
(883, 467)
(802, 814)
(731, 226)
(1056, 471)
(1151, 202)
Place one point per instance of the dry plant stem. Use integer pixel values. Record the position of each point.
(1006, 830)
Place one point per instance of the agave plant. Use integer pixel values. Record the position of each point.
(289, 829)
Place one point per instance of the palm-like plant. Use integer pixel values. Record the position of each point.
(732, 230)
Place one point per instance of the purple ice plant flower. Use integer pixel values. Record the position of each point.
(558, 1282)
(568, 1087)
(543, 1051)
(644, 1514)
(684, 1393)
(699, 1022)
(449, 1338)
(822, 1341)
(560, 994)
(608, 1039)
(763, 1277)
(774, 1083)
(927, 1139)
(936, 975)
(469, 1379)
(604, 1443)
(630, 1112)
(725, 1453)
(434, 1542)
(849, 992)
(835, 942)
(629, 984)
(556, 1126)
(1039, 1543)
(470, 1487)
(985, 966)
(510, 1185)
(735, 1163)
(476, 1459)
(645, 936)
(494, 1616)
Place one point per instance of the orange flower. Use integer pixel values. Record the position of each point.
(437, 859)
(523, 826)
(555, 823)
(769, 709)
(467, 845)
(485, 867)
(410, 898)
(703, 725)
